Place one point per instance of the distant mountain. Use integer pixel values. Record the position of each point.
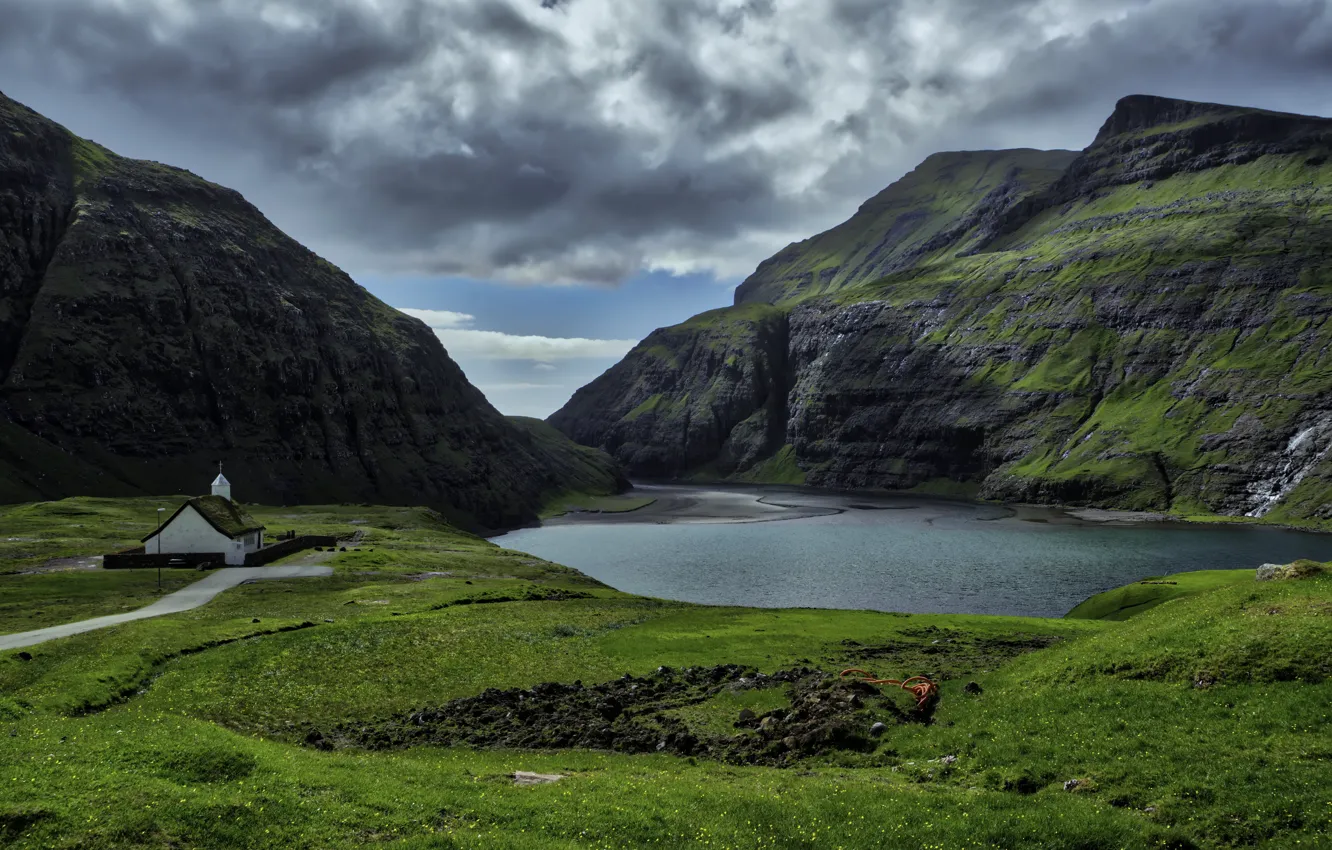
(153, 323)
(1143, 324)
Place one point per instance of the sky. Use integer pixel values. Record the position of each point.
(544, 182)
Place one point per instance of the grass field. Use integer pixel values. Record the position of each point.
(1201, 721)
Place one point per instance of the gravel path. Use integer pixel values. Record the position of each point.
(184, 599)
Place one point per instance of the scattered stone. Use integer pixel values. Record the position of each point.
(972, 688)
(747, 715)
(878, 729)
(948, 760)
(255, 620)
(1072, 784)
(25, 656)
(522, 777)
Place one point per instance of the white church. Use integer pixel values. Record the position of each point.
(209, 525)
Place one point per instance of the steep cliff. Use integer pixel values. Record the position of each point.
(153, 323)
(1145, 328)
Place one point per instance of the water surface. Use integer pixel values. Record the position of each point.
(891, 554)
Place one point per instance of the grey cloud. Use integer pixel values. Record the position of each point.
(581, 140)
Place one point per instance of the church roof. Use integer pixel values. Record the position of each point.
(220, 479)
(222, 514)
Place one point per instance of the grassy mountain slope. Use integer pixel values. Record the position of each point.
(1148, 330)
(207, 728)
(153, 323)
(949, 202)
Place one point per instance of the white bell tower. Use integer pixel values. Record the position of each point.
(221, 486)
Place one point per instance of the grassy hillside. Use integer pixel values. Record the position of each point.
(213, 727)
(1133, 599)
(581, 475)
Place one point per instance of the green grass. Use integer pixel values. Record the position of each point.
(647, 406)
(30, 602)
(622, 503)
(781, 468)
(1132, 599)
(1201, 722)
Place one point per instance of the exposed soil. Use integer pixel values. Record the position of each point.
(943, 653)
(635, 715)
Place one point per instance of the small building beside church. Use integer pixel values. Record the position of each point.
(209, 525)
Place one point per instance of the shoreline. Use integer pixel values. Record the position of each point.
(738, 502)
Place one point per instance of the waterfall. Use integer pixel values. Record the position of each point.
(1299, 458)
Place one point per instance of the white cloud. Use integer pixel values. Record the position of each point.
(544, 367)
(502, 346)
(440, 318)
(490, 388)
(494, 345)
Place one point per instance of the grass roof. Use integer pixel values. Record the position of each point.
(225, 515)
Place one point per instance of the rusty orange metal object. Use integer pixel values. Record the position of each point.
(921, 687)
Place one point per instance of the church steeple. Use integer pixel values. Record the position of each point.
(221, 486)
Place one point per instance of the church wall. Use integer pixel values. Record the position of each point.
(190, 532)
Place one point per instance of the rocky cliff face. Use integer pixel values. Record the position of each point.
(708, 393)
(152, 324)
(1145, 325)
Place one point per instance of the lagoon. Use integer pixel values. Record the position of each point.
(780, 548)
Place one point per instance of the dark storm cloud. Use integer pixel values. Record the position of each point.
(582, 140)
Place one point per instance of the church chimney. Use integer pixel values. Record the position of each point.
(221, 486)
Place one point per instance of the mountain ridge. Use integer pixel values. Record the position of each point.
(154, 323)
(1145, 328)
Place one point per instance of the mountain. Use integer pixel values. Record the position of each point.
(1143, 324)
(153, 323)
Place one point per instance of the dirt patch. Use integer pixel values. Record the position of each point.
(61, 565)
(942, 654)
(634, 715)
(531, 594)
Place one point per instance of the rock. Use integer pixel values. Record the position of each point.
(1072, 784)
(972, 688)
(1267, 572)
(878, 729)
(522, 777)
(1286, 572)
(25, 656)
(255, 620)
(746, 715)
